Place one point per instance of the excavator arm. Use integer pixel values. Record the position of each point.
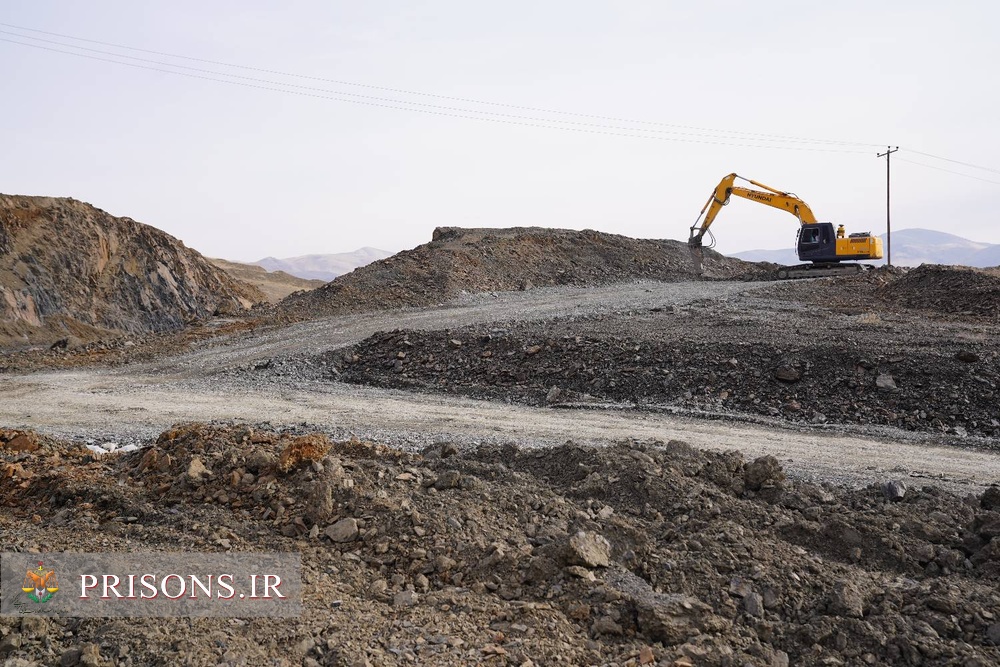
(726, 188)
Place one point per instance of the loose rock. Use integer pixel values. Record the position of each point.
(763, 471)
(885, 382)
(846, 600)
(893, 490)
(588, 549)
(345, 530)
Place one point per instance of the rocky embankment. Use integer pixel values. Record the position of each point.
(640, 553)
(71, 271)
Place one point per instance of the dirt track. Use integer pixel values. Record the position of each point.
(137, 402)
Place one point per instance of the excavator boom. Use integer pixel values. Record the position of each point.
(782, 200)
(768, 195)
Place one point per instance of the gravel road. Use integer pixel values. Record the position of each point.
(134, 403)
(500, 307)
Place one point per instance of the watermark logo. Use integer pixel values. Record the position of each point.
(131, 584)
(40, 584)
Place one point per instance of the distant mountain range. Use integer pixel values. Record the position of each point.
(910, 247)
(323, 267)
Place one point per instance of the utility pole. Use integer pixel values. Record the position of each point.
(888, 229)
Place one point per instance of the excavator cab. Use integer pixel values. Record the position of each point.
(817, 242)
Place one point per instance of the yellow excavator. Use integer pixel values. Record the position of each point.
(824, 248)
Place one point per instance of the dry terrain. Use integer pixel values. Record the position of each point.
(71, 273)
(459, 261)
(638, 552)
(760, 353)
(582, 526)
(588, 466)
(275, 285)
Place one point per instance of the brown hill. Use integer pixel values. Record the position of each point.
(275, 285)
(481, 260)
(67, 268)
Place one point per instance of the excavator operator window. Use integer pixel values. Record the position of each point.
(810, 236)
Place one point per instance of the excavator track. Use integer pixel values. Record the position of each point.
(820, 270)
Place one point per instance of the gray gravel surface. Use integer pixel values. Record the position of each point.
(267, 376)
(218, 355)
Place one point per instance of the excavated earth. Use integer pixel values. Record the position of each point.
(463, 260)
(423, 545)
(941, 292)
(639, 553)
(774, 353)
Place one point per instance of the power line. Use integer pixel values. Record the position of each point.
(964, 164)
(755, 135)
(464, 114)
(950, 171)
(380, 99)
(699, 132)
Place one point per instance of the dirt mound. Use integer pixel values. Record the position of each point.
(634, 554)
(461, 260)
(945, 292)
(845, 292)
(69, 270)
(946, 289)
(714, 366)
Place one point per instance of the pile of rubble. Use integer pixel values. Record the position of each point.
(728, 369)
(459, 260)
(942, 292)
(953, 290)
(642, 553)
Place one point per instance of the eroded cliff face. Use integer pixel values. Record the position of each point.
(67, 268)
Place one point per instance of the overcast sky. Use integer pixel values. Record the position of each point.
(242, 172)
